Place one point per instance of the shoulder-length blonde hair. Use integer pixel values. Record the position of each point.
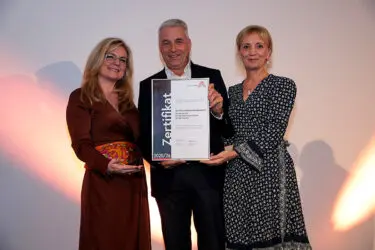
(91, 90)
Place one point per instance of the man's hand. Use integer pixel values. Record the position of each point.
(216, 100)
(171, 163)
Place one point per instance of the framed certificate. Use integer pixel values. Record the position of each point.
(180, 119)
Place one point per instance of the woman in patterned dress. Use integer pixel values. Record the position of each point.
(262, 206)
(103, 124)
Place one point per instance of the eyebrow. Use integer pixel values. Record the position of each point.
(255, 43)
(110, 53)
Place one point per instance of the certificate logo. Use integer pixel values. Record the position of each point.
(201, 84)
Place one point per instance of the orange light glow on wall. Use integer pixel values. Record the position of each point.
(356, 202)
(34, 134)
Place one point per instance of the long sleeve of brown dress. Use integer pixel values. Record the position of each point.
(79, 118)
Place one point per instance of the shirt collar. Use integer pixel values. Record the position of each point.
(185, 75)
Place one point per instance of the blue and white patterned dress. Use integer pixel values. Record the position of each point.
(262, 206)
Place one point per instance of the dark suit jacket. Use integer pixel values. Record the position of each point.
(161, 178)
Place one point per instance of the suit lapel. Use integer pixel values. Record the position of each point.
(195, 72)
(161, 75)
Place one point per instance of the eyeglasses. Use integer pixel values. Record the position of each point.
(111, 58)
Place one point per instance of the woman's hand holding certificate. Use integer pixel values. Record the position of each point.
(117, 166)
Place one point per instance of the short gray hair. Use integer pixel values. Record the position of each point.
(174, 23)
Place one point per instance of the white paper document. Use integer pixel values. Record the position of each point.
(180, 119)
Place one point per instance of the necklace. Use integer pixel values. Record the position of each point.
(248, 90)
(251, 90)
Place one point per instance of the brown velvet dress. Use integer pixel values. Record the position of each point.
(114, 208)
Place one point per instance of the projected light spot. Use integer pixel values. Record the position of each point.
(35, 135)
(356, 202)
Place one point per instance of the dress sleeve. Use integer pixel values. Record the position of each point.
(78, 117)
(270, 136)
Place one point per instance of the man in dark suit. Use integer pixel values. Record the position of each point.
(182, 188)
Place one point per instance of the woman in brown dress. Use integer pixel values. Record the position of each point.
(103, 125)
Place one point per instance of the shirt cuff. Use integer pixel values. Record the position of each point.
(220, 117)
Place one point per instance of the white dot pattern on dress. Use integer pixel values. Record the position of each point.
(257, 214)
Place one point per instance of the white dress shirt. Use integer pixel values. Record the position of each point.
(186, 75)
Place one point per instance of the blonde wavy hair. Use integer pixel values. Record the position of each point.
(257, 29)
(90, 89)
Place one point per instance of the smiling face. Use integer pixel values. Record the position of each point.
(254, 52)
(114, 64)
(175, 48)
